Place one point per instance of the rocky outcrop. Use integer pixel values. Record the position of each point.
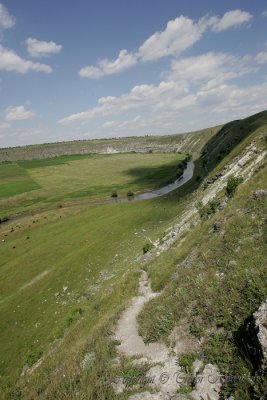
(260, 321)
(255, 339)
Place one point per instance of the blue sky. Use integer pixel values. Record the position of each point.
(87, 69)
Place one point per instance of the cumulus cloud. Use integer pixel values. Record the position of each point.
(140, 96)
(37, 48)
(6, 20)
(10, 61)
(108, 67)
(230, 19)
(205, 86)
(18, 113)
(179, 35)
(209, 66)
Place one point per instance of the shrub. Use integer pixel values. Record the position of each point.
(206, 211)
(114, 193)
(130, 193)
(232, 184)
(148, 246)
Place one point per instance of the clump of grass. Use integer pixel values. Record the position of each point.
(186, 362)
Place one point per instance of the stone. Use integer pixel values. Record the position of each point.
(217, 226)
(259, 193)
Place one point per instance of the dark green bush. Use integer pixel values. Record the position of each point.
(148, 246)
(232, 184)
(114, 193)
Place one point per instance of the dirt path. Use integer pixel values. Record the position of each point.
(165, 374)
(132, 344)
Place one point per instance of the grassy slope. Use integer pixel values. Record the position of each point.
(87, 249)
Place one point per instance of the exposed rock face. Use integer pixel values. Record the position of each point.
(256, 338)
(222, 202)
(260, 318)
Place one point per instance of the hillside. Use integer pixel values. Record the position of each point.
(106, 300)
(141, 144)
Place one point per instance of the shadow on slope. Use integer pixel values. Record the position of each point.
(209, 156)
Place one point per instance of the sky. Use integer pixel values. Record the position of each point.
(114, 68)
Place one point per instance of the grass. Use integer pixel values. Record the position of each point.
(68, 272)
(15, 180)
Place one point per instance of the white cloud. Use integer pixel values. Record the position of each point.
(180, 34)
(18, 113)
(211, 66)
(108, 67)
(141, 96)
(37, 48)
(109, 124)
(261, 58)
(229, 20)
(10, 61)
(4, 126)
(6, 20)
(202, 86)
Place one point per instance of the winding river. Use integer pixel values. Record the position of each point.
(187, 175)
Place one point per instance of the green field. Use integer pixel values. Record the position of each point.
(28, 184)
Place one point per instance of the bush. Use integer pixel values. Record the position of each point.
(206, 211)
(114, 193)
(130, 193)
(232, 184)
(148, 246)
